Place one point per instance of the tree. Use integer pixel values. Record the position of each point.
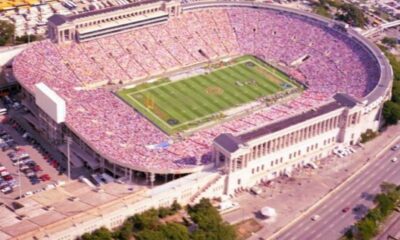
(176, 206)
(145, 220)
(322, 8)
(163, 212)
(387, 187)
(210, 223)
(392, 42)
(352, 15)
(86, 236)
(396, 92)
(367, 229)
(99, 234)
(199, 235)
(175, 231)
(7, 31)
(149, 235)
(386, 205)
(125, 232)
(391, 112)
(27, 38)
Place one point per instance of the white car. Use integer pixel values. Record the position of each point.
(396, 147)
(394, 159)
(256, 190)
(315, 217)
(6, 190)
(352, 150)
(338, 153)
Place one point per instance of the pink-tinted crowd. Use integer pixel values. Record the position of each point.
(331, 63)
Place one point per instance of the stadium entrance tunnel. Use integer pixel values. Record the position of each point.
(172, 122)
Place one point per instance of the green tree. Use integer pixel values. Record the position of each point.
(163, 212)
(145, 220)
(392, 42)
(374, 214)
(125, 232)
(27, 38)
(176, 206)
(387, 187)
(7, 31)
(210, 222)
(391, 112)
(396, 92)
(175, 231)
(367, 229)
(150, 235)
(199, 235)
(99, 234)
(385, 203)
(86, 236)
(352, 15)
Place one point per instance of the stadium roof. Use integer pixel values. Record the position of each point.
(59, 19)
(228, 142)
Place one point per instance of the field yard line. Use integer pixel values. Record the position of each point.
(272, 72)
(176, 126)
(266, 67)
(166, 83)
(147, 109)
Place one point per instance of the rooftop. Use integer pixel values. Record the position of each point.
(58, 19)
(61, 207)
(231, 143)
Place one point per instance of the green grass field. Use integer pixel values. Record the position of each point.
(178, 105)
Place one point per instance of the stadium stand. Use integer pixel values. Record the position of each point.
(81, 72)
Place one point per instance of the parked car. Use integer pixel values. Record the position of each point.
(34, 180)
(45, 177)
(11, 154)
(37, 168)
(24, 167)
(30, 173)
(256, 190)
(6, 190)
(8, 178)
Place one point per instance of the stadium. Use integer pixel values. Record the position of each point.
(238, 92)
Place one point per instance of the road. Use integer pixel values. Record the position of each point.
(358, 191)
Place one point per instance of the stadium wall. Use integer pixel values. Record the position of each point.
(280, 147)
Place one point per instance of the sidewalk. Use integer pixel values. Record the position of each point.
(390, 228)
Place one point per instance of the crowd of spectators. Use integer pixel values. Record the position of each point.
(333, 63)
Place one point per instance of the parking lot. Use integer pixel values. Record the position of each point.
(25, 167)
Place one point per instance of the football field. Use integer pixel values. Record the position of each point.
(176, 105)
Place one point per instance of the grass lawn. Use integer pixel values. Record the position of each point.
(182, 104)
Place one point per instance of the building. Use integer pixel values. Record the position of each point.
(99, 23)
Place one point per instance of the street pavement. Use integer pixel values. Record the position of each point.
(359, 191)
